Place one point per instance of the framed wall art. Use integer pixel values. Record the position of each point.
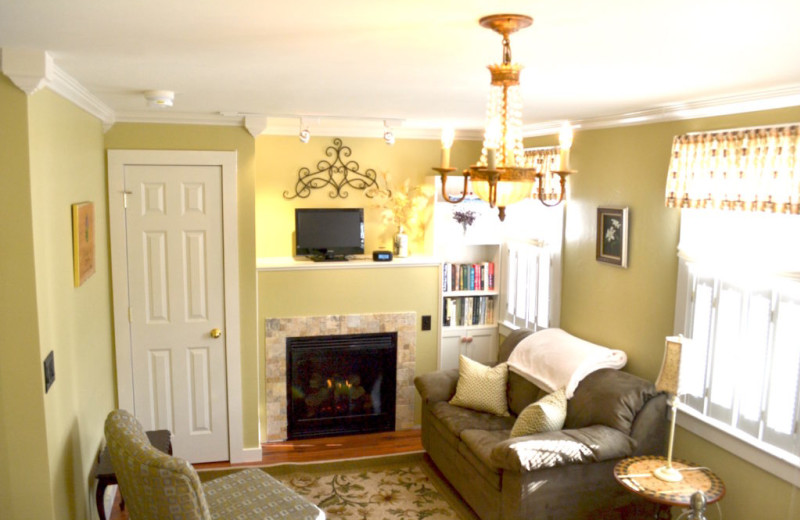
(83, 261)
(612, 236)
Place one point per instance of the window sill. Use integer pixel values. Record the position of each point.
(780, 464)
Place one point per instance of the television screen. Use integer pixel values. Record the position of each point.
(330, 233)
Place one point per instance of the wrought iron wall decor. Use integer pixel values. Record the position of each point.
(338, 173)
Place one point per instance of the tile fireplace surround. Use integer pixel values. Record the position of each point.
(278, 329)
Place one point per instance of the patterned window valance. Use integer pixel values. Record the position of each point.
(754, 169)
(544, 161)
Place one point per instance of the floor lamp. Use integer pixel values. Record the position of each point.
(669, 381)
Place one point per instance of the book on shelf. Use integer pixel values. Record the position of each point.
(468, 277)
(460, 311)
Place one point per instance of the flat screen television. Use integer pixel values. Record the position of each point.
(329, 233)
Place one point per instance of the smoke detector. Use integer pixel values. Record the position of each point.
(159, 98)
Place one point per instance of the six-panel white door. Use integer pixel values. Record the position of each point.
(177, 308)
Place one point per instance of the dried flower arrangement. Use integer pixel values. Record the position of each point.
(465, 218)
(409, 206)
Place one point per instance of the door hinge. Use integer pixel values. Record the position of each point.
(130, 315)
(125, 198)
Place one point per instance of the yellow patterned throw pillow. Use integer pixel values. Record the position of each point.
(481, 388)
(545, 415)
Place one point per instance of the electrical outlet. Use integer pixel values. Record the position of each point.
(426, 322)
(49, 371)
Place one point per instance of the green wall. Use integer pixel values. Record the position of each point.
(67, 166)
(632, 309)
(23, 431)
(195, 137)
(51, 155)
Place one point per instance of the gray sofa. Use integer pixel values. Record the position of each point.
(560, 475)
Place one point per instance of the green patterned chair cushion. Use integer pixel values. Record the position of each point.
(157, 486)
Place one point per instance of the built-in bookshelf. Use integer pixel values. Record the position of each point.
(470, 277)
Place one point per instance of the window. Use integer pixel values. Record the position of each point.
(528, 287)
(738, 301)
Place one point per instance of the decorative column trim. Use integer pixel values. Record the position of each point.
(32, 70)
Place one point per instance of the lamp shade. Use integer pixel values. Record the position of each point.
(669, 378)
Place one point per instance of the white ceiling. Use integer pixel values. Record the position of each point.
(419, 63)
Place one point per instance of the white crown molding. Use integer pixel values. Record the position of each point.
(68, 87)
(171, 117)
(722, 106)
(32, 70)
(255, 124)
(26, 68)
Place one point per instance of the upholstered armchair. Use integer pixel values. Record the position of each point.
(157, 486)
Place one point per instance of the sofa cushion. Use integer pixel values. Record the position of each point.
(521, 393)
(608, 397)
(551, 449)
(545, 415)
(477, 445)
(437, 386)
(457, 419)
(481, 388)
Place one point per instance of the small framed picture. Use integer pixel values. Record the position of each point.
(82, 241)
(612, 236)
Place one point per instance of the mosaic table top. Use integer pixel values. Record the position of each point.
(636, 475)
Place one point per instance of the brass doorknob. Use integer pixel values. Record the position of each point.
(215, 333)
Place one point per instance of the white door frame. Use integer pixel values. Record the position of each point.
(117, 161)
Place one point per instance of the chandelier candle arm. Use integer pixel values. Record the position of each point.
(501, 177)
(448, 135)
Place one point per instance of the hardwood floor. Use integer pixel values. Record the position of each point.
(319, 450)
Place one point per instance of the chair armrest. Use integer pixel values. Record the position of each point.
(551, 449)
(437, 386)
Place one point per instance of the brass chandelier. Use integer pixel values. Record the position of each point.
(502, 177)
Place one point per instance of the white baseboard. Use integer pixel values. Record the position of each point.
(246, 455)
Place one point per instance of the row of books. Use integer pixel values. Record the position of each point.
(468, 277)
(468, 310)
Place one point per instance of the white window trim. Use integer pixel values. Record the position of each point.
(742, 446)
(751, 450)
(505, 327)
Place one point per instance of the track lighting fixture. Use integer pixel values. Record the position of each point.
(388, 133)
(304, 134)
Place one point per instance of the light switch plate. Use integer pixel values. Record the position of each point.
(49, 371)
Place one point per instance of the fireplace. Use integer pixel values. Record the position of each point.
(341, 384)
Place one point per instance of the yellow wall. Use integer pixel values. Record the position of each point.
(189, 137)
(632, 309)
(24, 470)
(67, 166)
(280, 158)
(321, 292)
(346, 291)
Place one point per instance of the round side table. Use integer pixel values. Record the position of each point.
(636, 475)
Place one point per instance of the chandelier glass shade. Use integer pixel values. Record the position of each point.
(502, 177)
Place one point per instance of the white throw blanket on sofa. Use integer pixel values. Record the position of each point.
(553, 359)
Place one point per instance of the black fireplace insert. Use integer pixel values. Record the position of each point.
(341, 384)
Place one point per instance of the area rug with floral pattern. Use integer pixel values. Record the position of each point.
(400, 487)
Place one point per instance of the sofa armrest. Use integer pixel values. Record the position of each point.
(437, 386)
(595, 443)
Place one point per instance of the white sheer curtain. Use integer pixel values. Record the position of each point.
(545, 161)
(755, 169)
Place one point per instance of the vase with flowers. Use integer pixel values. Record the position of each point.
(465, 218)
(406, 210)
